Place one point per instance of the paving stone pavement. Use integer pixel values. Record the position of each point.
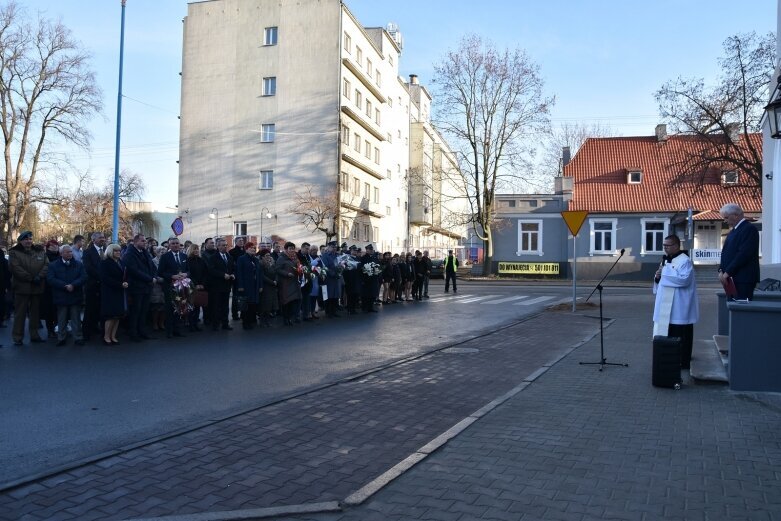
(579, 444)
(315, 448)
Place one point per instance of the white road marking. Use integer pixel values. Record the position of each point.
(506, 299)
(533, 301)
(448, 297)
(475, 299)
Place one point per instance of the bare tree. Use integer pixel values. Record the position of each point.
(47, 94)
(723, 117)
(315, 212)
(489, 105)
(571, 135)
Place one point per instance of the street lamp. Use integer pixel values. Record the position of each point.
(264, 212)
(216, 216)
(773, 110)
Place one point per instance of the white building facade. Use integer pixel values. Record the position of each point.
(771, 183)
(281, 97)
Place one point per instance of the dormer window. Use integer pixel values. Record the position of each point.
(729, 178)
(634, 177)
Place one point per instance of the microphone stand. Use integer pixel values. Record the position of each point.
(602, 360)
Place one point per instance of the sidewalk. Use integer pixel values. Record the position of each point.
(505, 426)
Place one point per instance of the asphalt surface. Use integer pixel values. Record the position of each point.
(61, 405)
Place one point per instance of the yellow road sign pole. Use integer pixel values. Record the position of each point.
(574, 272)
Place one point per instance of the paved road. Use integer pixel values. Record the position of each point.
(63, 404)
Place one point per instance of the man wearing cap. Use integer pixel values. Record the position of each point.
(332, 279)
(451, 265)
(29, 265)
(370, 284)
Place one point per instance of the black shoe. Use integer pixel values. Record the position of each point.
(426, 296)
(62, 342)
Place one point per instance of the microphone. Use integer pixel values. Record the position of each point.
(622, 251)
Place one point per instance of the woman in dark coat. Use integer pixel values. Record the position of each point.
(410, 277)
(249, 284)
(287, 267)
(269, 299)
(48, 309)
(113, 297)
(199, 275)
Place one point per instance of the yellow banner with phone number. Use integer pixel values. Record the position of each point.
(529, 268)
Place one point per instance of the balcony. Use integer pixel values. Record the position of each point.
(359, 163)
(366, 82)
(359, 118)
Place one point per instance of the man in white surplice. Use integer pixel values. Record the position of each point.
(676, 309)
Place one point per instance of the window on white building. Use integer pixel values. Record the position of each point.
(347, 88)
(358, 99)
(390, 60)
(240, 228)
(387, 210)
(368, 149)
(358, 55)
(369, 68)
(266, 180)
(355, 232)
(376, 195)
(357, 143)
(377, 116)
(377, 155)
(530, 237)
(345, 182)
(390, 102)
(267, 132)
(368, 109)
(345, 229)
(375, 235)
(367, 191)
(603, 235)
(348, 43)
(346, 135)
(270, 35)
(366, 234)
(378, 77)
(654, 232)
(270, 86)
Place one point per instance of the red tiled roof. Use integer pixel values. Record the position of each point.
(600, 178)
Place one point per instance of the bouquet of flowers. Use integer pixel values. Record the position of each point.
(319, 271)
(372, 269)
(181, 298)
(346, 262)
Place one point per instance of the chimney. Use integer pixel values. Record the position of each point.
(565, 156)
(733, 132)
(413, 79)
(661, 133)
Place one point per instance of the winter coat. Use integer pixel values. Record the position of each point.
(287, 277)
(60, 275)
(28, 269)
(269, 297)
(113, 297)
(249, 278)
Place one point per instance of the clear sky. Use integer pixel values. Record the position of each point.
(602, 59)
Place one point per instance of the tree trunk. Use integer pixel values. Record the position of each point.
(488, 253)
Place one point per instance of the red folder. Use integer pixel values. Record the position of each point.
(729, 287)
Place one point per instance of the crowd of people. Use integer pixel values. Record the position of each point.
(89, 289)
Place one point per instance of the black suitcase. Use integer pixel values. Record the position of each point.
(666, 367)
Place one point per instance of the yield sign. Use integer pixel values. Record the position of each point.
(574, 220)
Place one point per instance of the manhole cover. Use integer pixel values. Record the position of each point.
(460, 350)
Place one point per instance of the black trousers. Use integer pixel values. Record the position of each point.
(138, 309)
(745, 291)
(450, 276)
(686, 333)
(249, 317)
(91, 322)
(172, 320)
(218, 304)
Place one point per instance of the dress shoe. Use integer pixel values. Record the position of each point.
(106, 342)
(62, 342)
(115, 342)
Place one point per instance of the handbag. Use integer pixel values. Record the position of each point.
(200, 298)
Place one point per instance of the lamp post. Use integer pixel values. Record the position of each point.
(264, 212)
(773, 110)
(215, 214)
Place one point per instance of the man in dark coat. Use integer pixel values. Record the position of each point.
(141, 277)
(5, 285)
(370, 284)
(66, 277)
(91, 258)
(236, 252)
(221, 276)
(332, 279)
(29, 265)
(740, 253)
(172, 267)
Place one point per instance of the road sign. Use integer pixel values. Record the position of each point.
(574, 220)
(177, 226)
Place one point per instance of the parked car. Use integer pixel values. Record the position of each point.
(437, 269)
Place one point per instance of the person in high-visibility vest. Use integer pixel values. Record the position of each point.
(451, 266)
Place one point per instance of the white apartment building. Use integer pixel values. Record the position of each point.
(281, 96)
